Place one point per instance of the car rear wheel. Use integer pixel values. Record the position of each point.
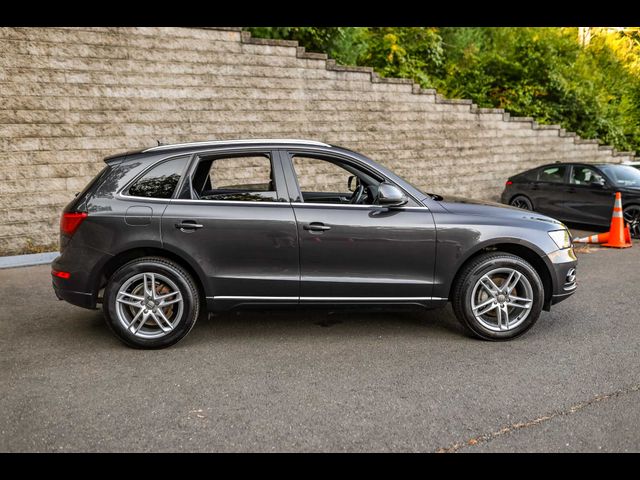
(151, 302)
(498, 296)
(521, 202)
(631, 215)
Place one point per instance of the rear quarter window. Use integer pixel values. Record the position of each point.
(160, 181)
(530, 176)
(553, 174)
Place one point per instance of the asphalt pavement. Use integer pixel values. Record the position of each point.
(326, 381)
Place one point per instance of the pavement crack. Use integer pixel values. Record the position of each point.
(487, 437)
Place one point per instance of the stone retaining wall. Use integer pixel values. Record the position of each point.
(70, 96)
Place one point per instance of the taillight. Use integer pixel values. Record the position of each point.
(509, 182)
(60, 274)
(69, 222)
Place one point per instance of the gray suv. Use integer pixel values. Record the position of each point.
(163, 235)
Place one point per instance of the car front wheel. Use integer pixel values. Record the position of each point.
(498, 296)
(151, 302)
(631, 215)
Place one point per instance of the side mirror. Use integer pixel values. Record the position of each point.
(352, 183)
(598, 182)
(390, 196)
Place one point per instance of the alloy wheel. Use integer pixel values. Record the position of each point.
(632, 217)
(149, 305)
(520, 203)
(502, 299)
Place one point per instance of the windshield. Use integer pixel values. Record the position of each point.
(622, 175)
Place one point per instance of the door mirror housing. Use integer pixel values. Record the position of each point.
(390, 196)
(598, 183)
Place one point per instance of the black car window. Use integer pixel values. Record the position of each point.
(247, 177)
(315, 175)
(331, 181)
(161, 180)
(553, 174)
(622, 175)
(529, 176)
(585, 176)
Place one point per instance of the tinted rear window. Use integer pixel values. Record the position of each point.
(161, 180)
(553, 174)
(530, 176)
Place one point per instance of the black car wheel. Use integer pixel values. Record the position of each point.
(521, 202)
(631, 215)
(151, 303)
(498, 296)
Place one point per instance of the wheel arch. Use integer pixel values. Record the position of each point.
(528, 252)
(116, 261)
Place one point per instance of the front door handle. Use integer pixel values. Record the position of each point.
(535, 186)
(316, 227)
(188, 225)
(570, 190)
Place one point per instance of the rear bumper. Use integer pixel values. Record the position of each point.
(80, 299)
(71, 289)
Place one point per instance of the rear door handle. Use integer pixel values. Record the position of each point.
(535, 187)
(570, 190)
(316, 227)
(188, 225)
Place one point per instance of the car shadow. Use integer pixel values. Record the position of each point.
(91, 331)
(325, 322)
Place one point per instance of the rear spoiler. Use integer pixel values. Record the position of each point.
(117, 158)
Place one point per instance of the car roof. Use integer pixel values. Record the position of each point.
(251, 141)
(556, 164)
(221, 144)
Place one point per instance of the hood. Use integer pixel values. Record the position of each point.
(466, 206)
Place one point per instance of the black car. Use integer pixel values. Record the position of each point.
(163, 235)
(578, 193)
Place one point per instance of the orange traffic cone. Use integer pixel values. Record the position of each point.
(597, 238)
(603, 237)
(619, 237)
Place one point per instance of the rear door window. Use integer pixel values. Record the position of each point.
(553, 174)
(585, 176)
(247, 178)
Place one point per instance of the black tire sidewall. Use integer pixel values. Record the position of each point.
(500, 261)
(182, 281)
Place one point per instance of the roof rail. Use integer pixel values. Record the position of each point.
(235, 142)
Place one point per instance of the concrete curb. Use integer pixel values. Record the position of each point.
(27, 260)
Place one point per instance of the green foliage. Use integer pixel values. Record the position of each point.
(343, 44)
(403, 52)
(545, 73)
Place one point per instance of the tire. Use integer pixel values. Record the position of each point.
(126, 300)
(520, 201)
(631, 216)
(469, 291)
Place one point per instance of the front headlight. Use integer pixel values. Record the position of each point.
(561, 238)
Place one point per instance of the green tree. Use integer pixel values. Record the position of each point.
(410, 52)
(546, 73)
(343, 44)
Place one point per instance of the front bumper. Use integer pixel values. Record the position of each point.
(563, 271)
